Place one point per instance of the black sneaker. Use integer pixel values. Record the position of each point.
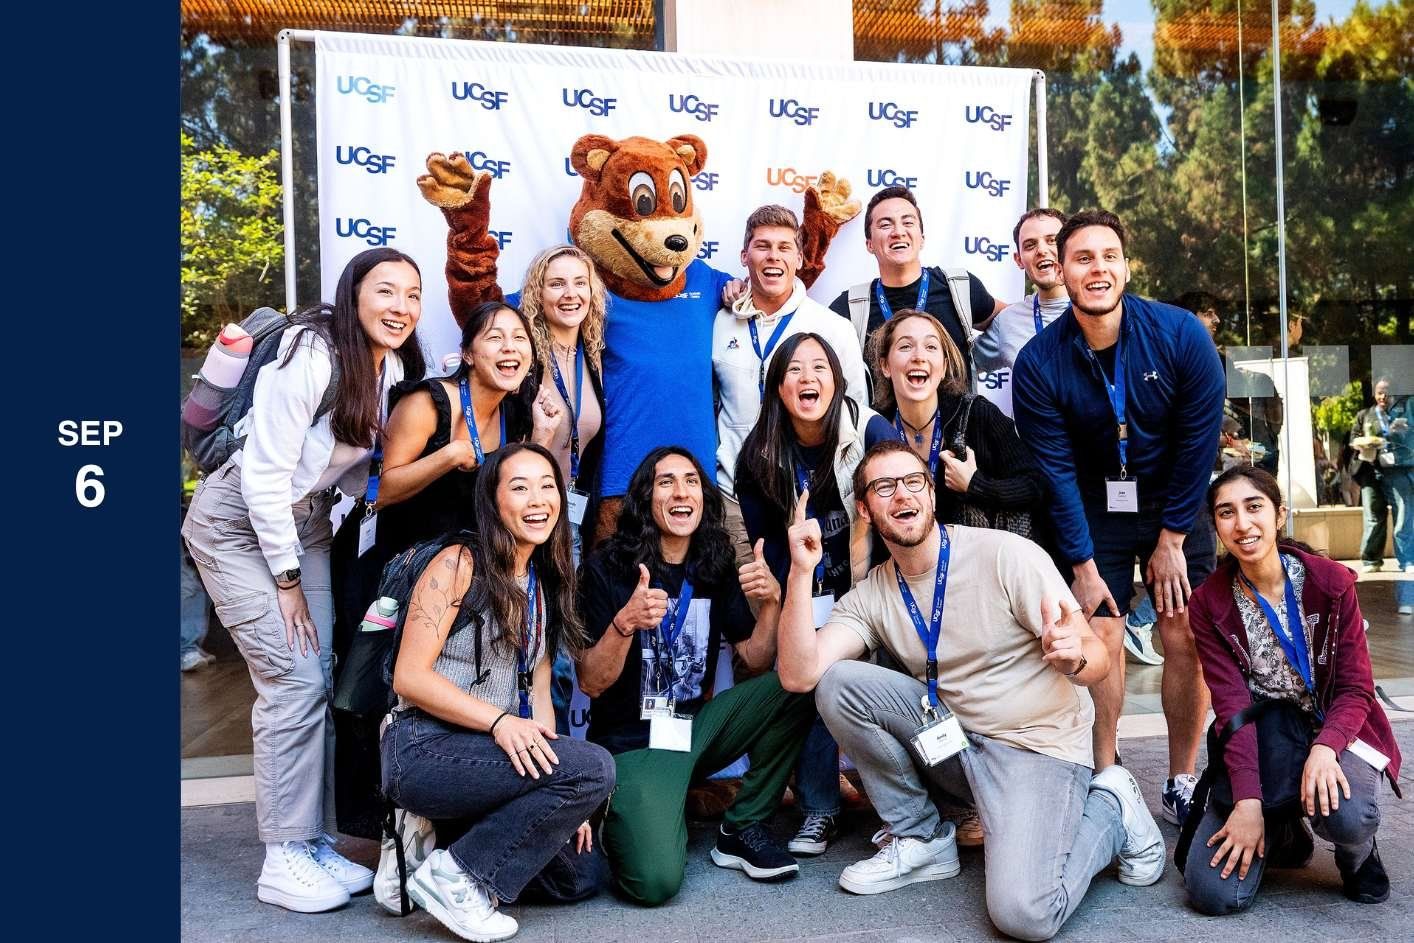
(1289, 844)
(754, 851)
(1369, 884)
(814, 836)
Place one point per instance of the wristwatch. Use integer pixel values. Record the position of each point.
(287, 579)
(1081, 667)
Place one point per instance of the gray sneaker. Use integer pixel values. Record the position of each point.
(464, 906)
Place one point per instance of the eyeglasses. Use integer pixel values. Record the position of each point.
(886, 486)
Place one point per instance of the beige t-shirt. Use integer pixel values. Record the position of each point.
(590, 418)
(990, 672)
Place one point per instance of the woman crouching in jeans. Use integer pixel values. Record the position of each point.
(473, 740)
(1278, 622)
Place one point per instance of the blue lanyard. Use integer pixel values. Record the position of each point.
(471, 422)
(930, 633)
(532, 623)
(1382, 420)
(1116, 394)
(375, 474)
(572, 404)
(669, 630)
(802, 481)
(937, 445)
(886, 310)
(770, 346)
(1036, 312)
(1291, 637)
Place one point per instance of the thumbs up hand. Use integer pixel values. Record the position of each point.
(757, 580)
(645, 608)
(806, 545)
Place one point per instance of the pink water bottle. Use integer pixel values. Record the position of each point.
(227, 359)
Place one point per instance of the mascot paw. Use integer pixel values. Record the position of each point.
(451, 183)
(832, 195)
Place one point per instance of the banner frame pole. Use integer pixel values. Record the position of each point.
(287, 157)
(1038, 80)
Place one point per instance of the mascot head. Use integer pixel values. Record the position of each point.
(635, 216)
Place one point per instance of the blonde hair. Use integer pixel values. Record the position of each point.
(591, 329)
(878, 345)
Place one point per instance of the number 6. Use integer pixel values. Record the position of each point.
(89, 490)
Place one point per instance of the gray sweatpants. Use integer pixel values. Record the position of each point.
(1047, 833)
(291, 729)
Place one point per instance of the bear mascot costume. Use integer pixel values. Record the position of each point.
(636, 217)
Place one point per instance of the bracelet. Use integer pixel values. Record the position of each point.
(504, 715)
(615, 623)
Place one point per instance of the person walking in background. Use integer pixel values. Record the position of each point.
(1384, 469)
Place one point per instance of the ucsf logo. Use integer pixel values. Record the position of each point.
(708, 249)
(707, 180)
(794, 110)
(985, 114)
(981, 245)
(888, 111)
(365, 158)
(692, 105)
(348, 227)
(787, 177)
(503, 237)
(496, 168)
(363, 85)
(993, 379)
(586, 99)
(490, 99)
(890, 178)
(983, 180)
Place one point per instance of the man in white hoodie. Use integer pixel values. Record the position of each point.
(748, 332)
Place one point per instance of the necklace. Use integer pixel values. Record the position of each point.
(918, 430)
(565, 351)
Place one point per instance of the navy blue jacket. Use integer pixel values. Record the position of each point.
(1173, 406)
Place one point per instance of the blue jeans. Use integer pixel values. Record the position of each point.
(1398, 485)
(562, 669)
(193, 616)
(519, 826)
(817, 773)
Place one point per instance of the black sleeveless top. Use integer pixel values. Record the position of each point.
(446, 504)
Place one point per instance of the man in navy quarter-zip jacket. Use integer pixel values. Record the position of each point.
(1121, 401)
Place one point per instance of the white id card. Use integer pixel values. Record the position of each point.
(655, 706)
(1369, 754)
(579, 503)
(939, 739)
(1387, 459)
(670, 732)
(367, 533)
(1122, 494)
(821, 607)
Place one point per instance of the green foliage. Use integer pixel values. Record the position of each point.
(1334, 415)
(231, 237)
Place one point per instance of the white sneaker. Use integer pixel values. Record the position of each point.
(1408, 568)
(464, 906)
(1139, 641)
(352, 877)
(903, 861)
(194, 659)
(1369, 567)
(1406, 610)
(418, 840)
(292, 879)
(1141, 857)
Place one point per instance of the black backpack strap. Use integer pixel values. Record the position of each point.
(390, 828)
(331, 392)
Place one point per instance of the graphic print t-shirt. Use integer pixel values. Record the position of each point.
(715, 613)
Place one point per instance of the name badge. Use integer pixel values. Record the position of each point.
(939, 740)
(579, 503)
(1387, 459)
(1369, 754)
(1122, 495)
(821, 607)
(367, 532)
(655, 706)
(670, 732)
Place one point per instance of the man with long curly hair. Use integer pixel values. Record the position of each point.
(657, 600)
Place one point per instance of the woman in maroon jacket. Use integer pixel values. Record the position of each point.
(1252, 648)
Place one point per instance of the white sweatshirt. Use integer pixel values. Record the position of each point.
(286, 453)
(737, 370)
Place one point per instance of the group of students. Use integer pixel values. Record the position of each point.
(882, 549)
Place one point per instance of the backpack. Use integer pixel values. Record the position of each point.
(959, 287)
(973, 514)
(211, 445)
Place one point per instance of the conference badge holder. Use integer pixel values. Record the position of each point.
(579, 504)
(669, 731)
(821, 607)
(367, 531)
(941, 737)
(1122, 495)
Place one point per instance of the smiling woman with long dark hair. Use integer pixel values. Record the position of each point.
(472, 738)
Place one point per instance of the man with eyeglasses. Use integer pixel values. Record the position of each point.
(990, 709)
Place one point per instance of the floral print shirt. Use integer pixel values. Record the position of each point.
(1273, 676)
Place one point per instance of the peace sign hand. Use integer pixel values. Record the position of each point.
(806, 546)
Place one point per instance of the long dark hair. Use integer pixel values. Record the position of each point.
(1265, 482)
(355, 418)
(769, 454)
(478, 320)
(710, 557)
(494, 588)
